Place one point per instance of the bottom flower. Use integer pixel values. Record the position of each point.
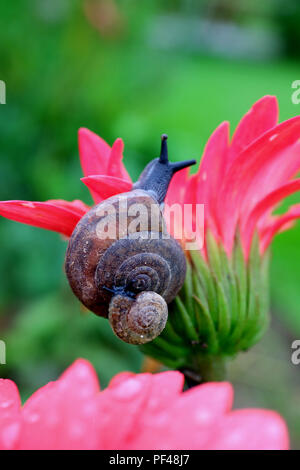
(141, 411)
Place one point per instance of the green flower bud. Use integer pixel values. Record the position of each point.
(221, 310)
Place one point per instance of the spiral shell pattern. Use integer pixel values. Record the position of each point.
(139, 320)
(141, 264)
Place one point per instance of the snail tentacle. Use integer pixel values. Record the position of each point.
(157, 175)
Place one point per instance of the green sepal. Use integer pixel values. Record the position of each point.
(221, 310)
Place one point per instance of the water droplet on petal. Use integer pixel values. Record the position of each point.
(127, 389)
(28, 204)
(32, 417)
(6, 404)
(203, 417)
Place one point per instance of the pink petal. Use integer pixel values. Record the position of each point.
(176, 190)
(82, 373)
(250, 430)
(10, 415)
(126, 399)
(115, 166)
(119, 378)
(76, 206)
(51, 215)
(104, 186)
(192, 186)
(140, 400)
(98, 158)
(63, 414)
(94, 152)
(265, 205)
(192, 198)
(278, 224)
(262, 116)
(197, 410)
(166, 386)
(141, 411)
(240, 184)
(211, 174)
(268, 178)
(187, 421)
(174, 203)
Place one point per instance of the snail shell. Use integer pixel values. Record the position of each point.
(138, 321)
(122, 272)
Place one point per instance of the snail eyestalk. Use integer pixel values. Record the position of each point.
(163, 158)
(157, 175)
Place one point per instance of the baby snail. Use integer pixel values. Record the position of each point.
(128, 268)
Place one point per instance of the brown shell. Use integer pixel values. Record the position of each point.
(139, 320)
(153, 261)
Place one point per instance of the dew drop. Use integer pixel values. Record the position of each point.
(128, 389)
(6, 404)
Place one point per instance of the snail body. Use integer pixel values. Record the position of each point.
(124, 270)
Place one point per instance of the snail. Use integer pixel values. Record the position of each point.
(123, 270)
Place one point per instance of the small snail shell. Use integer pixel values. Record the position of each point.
(138, 320)
(129, 275)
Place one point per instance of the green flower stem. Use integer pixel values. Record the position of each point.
(205, 369)
(211, 368)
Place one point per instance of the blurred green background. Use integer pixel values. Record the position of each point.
(133, 69)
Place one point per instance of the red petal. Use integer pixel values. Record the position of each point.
(126, 399)
(204, 406)
(94, 152)
(243, 179)
(104, 186)
(250, 430)
(139, 412)
(278, 224)
(265, 205)
(115, 166)
(268, 178)
(211, 174)
(140, 400)
(10, 415)
(261, 117)
(176, 190)
(63, 414)
(98, 158)
(59, 217)
(165, 386)
(190, 198)
(75, 206)
(119, 378)
(174, 202)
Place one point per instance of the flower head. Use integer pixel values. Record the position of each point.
(141, 411)
(241, 181)
(223, 307)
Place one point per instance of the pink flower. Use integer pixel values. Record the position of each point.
(141, 411)
(240, 181)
